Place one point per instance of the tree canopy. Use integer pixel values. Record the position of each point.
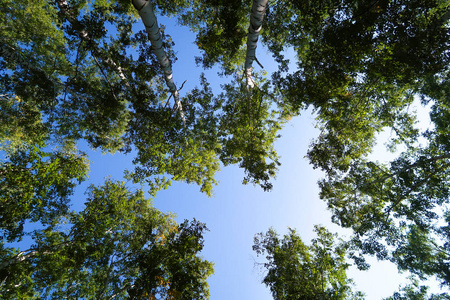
(100, 89)
(118, 246)
(75, 70)
(297, 271)
(294, 270)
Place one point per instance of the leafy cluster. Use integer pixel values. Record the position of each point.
(117, 247)
(73, 71)
(297, 271)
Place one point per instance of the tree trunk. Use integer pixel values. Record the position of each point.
(154, 35)
(256, 20)
(26, 254)
(84, 35)
(21, 256)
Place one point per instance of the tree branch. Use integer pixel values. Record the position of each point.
(256, 59)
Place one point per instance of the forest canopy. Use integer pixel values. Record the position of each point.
(74, 71)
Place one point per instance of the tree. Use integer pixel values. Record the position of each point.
(117, 247)
(297, 271)
(97, 91)
(416, 292)
(221, 29)
(256, 20)
(55, 74)
(248, 129)
(36, 186)
(393, 208)
(359, 65)
(151, 25)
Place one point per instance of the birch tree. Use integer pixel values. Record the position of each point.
(117, 247)
(102, 94)
(360, 65)
(144, 7)
(256, 21)
(69, 14)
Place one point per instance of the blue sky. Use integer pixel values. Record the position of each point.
(236, 212)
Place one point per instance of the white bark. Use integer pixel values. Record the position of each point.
(148, 17)
(256, 20)
(21, 256)
(66, 10)
(26, 254)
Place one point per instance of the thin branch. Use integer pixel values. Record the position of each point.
(108, 276)
(432, 159)
(76, 69)
(84, 35)
(182, 85)
(126, 287)
(104, 75)
(21, 256)
(168, 101)
(256, 59)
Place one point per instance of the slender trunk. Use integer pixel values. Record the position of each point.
(148, 17)
(24, 255)
(126, 287)
(84, 35)
(18, 258)
(256, 20)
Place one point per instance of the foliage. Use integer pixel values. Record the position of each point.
(94, 79)
(75, 70)
(118, 246)
(413, 291)
(361, 64)
(297, 271)
(248, 127)
(235, 127)
(394, 208)
(221, 29)
(35, 186)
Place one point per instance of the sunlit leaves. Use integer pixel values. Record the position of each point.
(360, 64)
(21, 123)
(36, 185)
(221, 29)
(248, 130)
(413, 290)
(118, 246)
(297, 271)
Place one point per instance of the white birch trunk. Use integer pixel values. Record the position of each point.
(21, 256)
(148, 17)
(256, 20)
(26, 254)
(66, 10)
